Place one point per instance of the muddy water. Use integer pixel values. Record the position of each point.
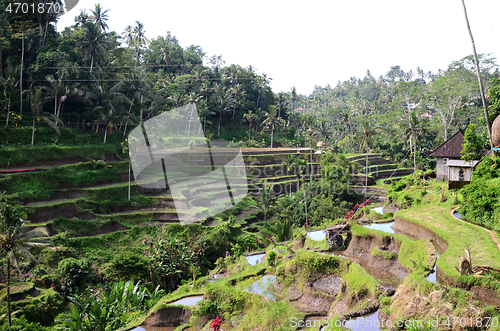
(432, 277)
(370, 322)
(261, 286)
(188, 301)
(386, 227)
(254, 259)
(317, 235)
(313, 323)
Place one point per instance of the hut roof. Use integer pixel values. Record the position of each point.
(451, 147)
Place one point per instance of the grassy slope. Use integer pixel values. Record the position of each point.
(459, 235)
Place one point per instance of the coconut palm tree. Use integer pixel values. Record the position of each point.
(413, 130)
(100, 17)
(37, 101)
(272, 120)
(15, 241)
(266, 200)
(93, 43)
(249, 117)
(139, 39)
(301, 166)
(365, 137)
(9, 84)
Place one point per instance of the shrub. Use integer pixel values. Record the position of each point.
(271, 258)
(73, 274)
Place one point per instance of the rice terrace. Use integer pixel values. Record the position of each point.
(147, 186)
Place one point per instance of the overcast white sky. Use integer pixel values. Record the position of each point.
(308, 43)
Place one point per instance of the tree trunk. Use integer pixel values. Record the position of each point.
(58, 113)
(33, 131)
(129, 175)
(21, 78)
(220, 120)
(272, 135)
(105, 134)
(8, 109)
(248, 134)
(483, 99)
(305, 201)
(8, 292)
(415, 155)
(128, 118)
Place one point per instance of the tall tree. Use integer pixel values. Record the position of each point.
(271, 121)
(100, 17)
(9, 84)
(365, 137)
(249, 117)
(15, 241)
(93, 43)
(483, 98)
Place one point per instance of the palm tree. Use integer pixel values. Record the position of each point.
(238, 91)
(272, 120)
(249, 117)
(301, 166)
(413, 130)
(483, 99)
(93, 43)
(266, 200)
(108, 105)
(82, 18)
(281, 104)
(9, 84)
(59, 90)
(15, 241)
(100, 17)
(365, 137)
(224, 102)
(203, 114)
(36, 108)
(139, 39)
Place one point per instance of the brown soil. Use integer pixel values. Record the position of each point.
(168, 317)
(53, 212)
(407, 304)
(389, 272)
(416, 231)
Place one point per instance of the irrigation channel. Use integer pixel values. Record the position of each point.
(387, 279)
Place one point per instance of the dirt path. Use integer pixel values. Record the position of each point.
(492, 235)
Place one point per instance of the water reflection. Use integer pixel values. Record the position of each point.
(385, 227)
(379, 210)
(365, 323)
(432, 276)
(317, 235)
(188, 301)
(261, 286)
(254, 259)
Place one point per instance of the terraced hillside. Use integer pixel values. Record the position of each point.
(378, 168)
